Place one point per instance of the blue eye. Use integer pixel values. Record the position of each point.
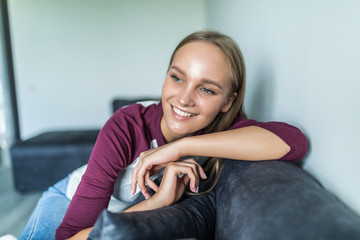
(207, 91)
(176, 79)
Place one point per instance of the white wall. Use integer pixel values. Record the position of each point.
(6, 126)
(303, 62)
(71, 57)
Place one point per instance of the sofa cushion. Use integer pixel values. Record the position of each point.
(41, 161)
(191, 218)
(121, 102)
(254, 200)
(278, 200)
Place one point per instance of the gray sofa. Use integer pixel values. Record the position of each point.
(252, 201)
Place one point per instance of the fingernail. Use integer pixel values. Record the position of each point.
(145, 195)
(204, 175)
(197, 189)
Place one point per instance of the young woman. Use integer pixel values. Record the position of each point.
(200, 114)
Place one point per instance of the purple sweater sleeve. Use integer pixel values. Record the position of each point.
(291, 135)
(112, 152)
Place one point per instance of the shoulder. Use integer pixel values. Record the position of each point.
(134, 122)
(271, 125)
(139, 108)
(126, 133)
(136, 113)
(240, 122)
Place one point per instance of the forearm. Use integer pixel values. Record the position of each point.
(148, 204)
(248, 143)
(83, 234)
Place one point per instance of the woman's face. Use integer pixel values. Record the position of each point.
(197, 87)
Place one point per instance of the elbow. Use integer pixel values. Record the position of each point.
(295, 141)
(297, 150)
(286, 150)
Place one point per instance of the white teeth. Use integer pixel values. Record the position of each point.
(181, 113)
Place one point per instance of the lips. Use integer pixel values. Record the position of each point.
(182, 113)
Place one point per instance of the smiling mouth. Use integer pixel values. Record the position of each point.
(182, 113)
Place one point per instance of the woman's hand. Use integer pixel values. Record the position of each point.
(151, 161)
(172, 186)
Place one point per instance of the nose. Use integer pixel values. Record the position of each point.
(186, 97)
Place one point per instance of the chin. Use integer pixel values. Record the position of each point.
(180, 131)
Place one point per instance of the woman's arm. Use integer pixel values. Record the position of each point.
(249, 143)
(258, 141)
(82, 235)
(172, 186)
(170, 191)
(112, 152)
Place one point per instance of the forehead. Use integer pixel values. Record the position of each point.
(207, 59)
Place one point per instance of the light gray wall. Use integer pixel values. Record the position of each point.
(71, 57)
(303, 62)
(6, 120)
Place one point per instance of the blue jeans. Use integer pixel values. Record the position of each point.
(48, 213)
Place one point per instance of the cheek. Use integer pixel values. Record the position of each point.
(168, 87)
(165, 89)
(211, 108)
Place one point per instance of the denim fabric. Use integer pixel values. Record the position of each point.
(48, 213)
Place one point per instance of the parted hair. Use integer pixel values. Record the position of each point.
(237, 67)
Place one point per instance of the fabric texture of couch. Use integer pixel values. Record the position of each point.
(252, 201)
(41, 161)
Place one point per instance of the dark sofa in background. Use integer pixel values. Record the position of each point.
(41, 161)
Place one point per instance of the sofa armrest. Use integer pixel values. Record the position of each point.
(254, 200)
(191, 218)
(278, 200)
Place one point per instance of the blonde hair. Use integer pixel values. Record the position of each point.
(224, 119)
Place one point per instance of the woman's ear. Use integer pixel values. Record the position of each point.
(227, 106)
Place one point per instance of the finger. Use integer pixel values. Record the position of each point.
(199, 167)
(142, 187)
(156, 168)
(138, 177)
(190, 170)
(194, 182)
(193, 178)
(150, 182)
(185, 179)
(133, 181)
(182, 183)
(134, 177)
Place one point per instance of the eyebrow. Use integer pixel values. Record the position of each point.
(204, 80)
